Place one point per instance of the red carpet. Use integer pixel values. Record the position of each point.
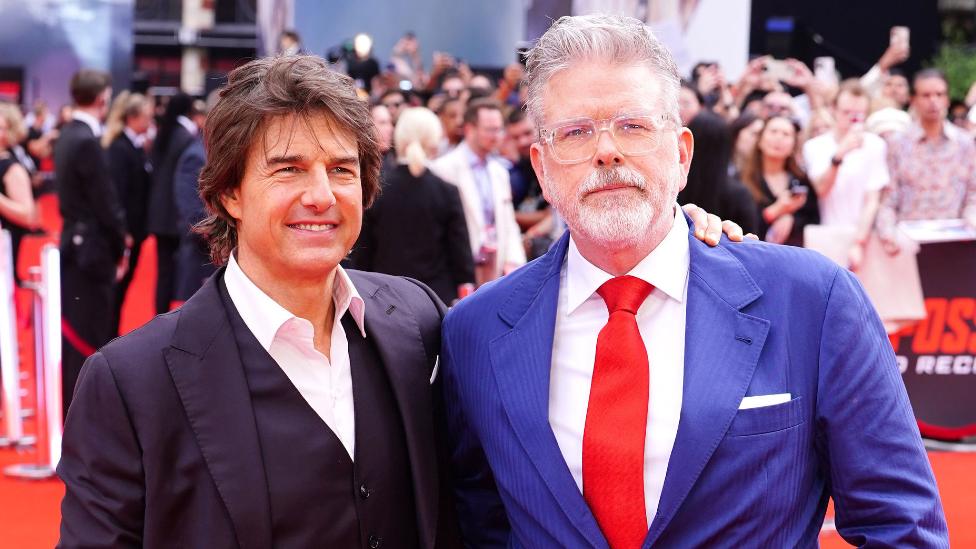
(29, 510)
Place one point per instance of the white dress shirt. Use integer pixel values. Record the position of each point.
(864, 169)
(581, 314)
(188, 124)
(138, 139)
(326, 385)
(89, 120)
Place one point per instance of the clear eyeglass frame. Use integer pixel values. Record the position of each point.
(639, 144)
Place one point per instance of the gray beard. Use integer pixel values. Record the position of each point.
(619, 220)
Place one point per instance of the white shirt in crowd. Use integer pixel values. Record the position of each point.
(581, 314)
(326, 385)
(89, 120)
(188, 124)
(864, 169)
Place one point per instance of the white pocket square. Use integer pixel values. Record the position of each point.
(760, 401)
(437, 363)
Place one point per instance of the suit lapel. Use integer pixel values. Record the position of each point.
(722, 347)
(205, 365)
(391, 326)
(521, 360)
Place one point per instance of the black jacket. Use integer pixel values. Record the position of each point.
(163, 216)
(130, 170)
(416, 228)
(94, 229)
(160, 446)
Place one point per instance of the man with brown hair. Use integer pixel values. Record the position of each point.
(496, 241)
(94, 234)
(288, 403)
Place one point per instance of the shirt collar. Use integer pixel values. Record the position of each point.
(264, 316)
(89, 120)
(188, 124)
(665, 268)
(138, 140)
(949, 131)
(473, 159)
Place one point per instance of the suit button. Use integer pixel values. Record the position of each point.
(364, 491)
(375, 542)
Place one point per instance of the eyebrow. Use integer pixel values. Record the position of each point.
(298, 159)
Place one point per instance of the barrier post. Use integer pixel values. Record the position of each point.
(10, 378)
(47, 343)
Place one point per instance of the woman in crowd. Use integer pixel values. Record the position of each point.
(709, 184)
(416, 227)
(125, 140)
(16, 200)
(785, 199)
(744, 132)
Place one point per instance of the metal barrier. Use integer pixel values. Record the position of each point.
(13, 431)
(46, 284)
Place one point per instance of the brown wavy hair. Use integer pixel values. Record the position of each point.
(255, 94)
(752, 170)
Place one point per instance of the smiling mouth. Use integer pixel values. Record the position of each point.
(313, 227)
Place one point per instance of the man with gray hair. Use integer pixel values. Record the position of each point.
(635, 387)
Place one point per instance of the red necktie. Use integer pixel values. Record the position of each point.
(616, 418)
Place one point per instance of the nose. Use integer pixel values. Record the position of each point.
(607, 153)
(318, 195)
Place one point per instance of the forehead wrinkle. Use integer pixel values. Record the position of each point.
(289, 125)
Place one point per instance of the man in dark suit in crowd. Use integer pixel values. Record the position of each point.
(176, 132)
(93, 236)
(193, 265)
(130, 169)
(288, 403)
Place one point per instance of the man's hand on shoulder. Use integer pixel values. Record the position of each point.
(709, 227)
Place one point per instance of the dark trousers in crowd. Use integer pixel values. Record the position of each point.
(87, 308)
(123, 286)
(166, 248)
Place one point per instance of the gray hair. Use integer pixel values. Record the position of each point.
(611, 38)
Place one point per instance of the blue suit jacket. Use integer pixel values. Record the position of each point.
(761, 319)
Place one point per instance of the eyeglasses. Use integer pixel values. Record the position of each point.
(575, 141)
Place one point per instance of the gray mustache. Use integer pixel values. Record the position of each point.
(605, 177)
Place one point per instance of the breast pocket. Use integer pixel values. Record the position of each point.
(767, 419)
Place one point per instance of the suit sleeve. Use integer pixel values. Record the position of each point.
(481, 513)
(881, 481)
(458, 243)
(189, 205)
(118, 165)
(101, 466)
(100, 191)
(448, 532)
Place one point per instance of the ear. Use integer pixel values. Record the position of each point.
(686, 150)
(231, 201)
(535, 156)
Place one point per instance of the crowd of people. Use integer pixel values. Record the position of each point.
(782, 148)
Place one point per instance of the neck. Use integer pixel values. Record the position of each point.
(932, 128)
(773, 166)
(839, 134)
(620, 259)
(309, 298)
(477, 151)
(90, 111)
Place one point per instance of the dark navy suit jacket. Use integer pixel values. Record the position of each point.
(761, 319)
(161, 449)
